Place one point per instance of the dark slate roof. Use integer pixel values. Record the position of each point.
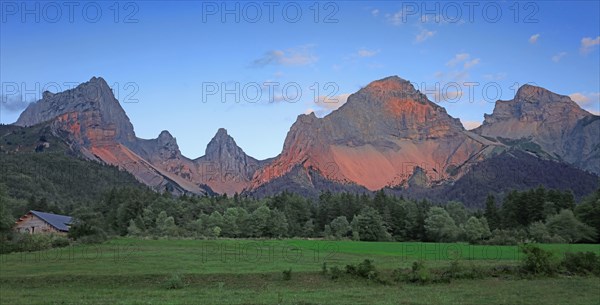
(60, 222)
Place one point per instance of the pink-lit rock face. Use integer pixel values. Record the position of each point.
(93, 122)
(554, 122)
(386, 134)
(377, 139)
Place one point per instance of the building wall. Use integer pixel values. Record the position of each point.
(34, 225)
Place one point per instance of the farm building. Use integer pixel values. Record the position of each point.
(35, 222)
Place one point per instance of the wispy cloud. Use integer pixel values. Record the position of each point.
(325, 104)
(457, 59)
(396, 18)
(367, 53)
(559, 56)
(297, 56)
(587, 44)
(424, 35)
(471, 63)
(495, 77)
(534, 38)
(14, 103)
(586, 99)
(459, 66)
(375, 12)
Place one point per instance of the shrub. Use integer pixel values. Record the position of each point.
(174, 282)
(503, 238)
(60, 241)
(420, 273)
(31, 242)
(351, 269)
(583, 263)
(96, 238)
(366, 269)
(336, 272)
(458, 271)
(287, 274)
(324, 268)
(537, 261)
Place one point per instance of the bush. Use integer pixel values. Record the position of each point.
(503, 238)
(60, 241)
(324, 268)
(366, 269)
(97, 238)
(287, 274)
(582, 263)
(419, 273)
(336, 272)
(537, 261)
(174, 282)
(31, 242)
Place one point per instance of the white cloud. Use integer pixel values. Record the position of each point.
(325, 104)
(424, 35)
(367, 53)
(534, 38)
(375, 12)
(588, 101)
(579, 98)
(471, 63)
(470, 124)
(309, 111)
(457, 59)
(298, 56)
(559, 56)
(458, 74)
(588, 43)
(333, 102)
(495, 77)
(396, 19)
(14, 103)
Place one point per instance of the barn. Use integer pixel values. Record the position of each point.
(36, 222)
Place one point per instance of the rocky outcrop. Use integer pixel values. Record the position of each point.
(94, 124)
(551, 121)
(225, 167)
(91, 120)
(377, 139)
(95, 99)
(388, 134)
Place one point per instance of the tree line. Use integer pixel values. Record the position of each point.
(536, 215)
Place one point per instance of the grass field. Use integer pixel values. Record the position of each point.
(131, 271)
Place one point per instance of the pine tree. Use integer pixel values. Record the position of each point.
(491, 212)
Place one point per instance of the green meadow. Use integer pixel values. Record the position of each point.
(135, 271)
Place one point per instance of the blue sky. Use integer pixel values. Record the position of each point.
(164, 58)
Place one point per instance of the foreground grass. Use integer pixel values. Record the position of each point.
(130, 271)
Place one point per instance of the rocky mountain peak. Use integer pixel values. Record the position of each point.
(225, 166)
(92, 103)
(533, 103)
(222, 134)
(222, 145)
(165, 136)
(552, 121)
(392, 87)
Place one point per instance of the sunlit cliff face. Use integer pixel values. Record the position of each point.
(377, 139)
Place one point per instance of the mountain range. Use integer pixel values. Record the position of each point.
(388, 135)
